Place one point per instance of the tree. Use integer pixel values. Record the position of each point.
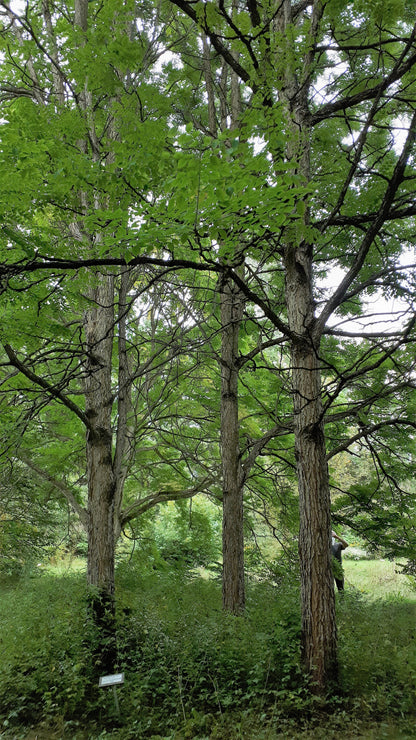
(231, 317)
(283, 53)
(77, 111)
(315, 79)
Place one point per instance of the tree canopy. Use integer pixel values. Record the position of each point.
(200, 204)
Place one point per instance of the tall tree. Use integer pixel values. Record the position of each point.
(315, 178)
(231, 316)
(285, 54)
(221, 179)
(78, 196)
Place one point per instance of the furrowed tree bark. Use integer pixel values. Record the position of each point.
(99, 335)
(233, 587)
(319, 633)
(232, 305)
(124, 447)
(98, 328)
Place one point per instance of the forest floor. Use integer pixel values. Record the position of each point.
(351, 730)
(377, 615)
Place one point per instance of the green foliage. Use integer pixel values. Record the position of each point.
(133, 169)
(183, 534)
(380, 510)
(189, 668)
(43, 674)
(183, 658)
(378, 653)
(124, 164)
(192, 536)
(337, 569)
(30, 524)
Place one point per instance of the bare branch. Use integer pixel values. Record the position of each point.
(140, 506)
(52, 391)
(58, 484)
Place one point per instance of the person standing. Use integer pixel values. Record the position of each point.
(338, 544)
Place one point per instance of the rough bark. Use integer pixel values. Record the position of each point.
(98, 333)
(98, 328)
(233, 590)
(124, 448)
(319, 634)
(232, 302)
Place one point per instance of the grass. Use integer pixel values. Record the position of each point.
(195, 673)
(65, 565)
(378, 579)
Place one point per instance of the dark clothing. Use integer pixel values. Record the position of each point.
(336, 549)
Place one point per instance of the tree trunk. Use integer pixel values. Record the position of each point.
(233, 589)
(99, 334)
(124, 446)
(319, 636)
(99, 326)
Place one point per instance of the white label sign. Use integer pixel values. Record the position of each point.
(111, 680)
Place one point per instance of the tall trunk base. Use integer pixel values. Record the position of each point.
(233, 583)
(101, 633)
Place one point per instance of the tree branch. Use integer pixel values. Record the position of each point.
(367, 431)
(140, 506)
(7, 271)
(374, 228)
(222, 50)
(50, 389)
(399, 70)
(59, 485)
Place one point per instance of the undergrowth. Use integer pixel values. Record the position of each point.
(190, 670)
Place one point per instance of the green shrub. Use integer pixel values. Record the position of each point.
(42, 670)
(192, 671)
(184, 655)
(377, 650)
(181, 534)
